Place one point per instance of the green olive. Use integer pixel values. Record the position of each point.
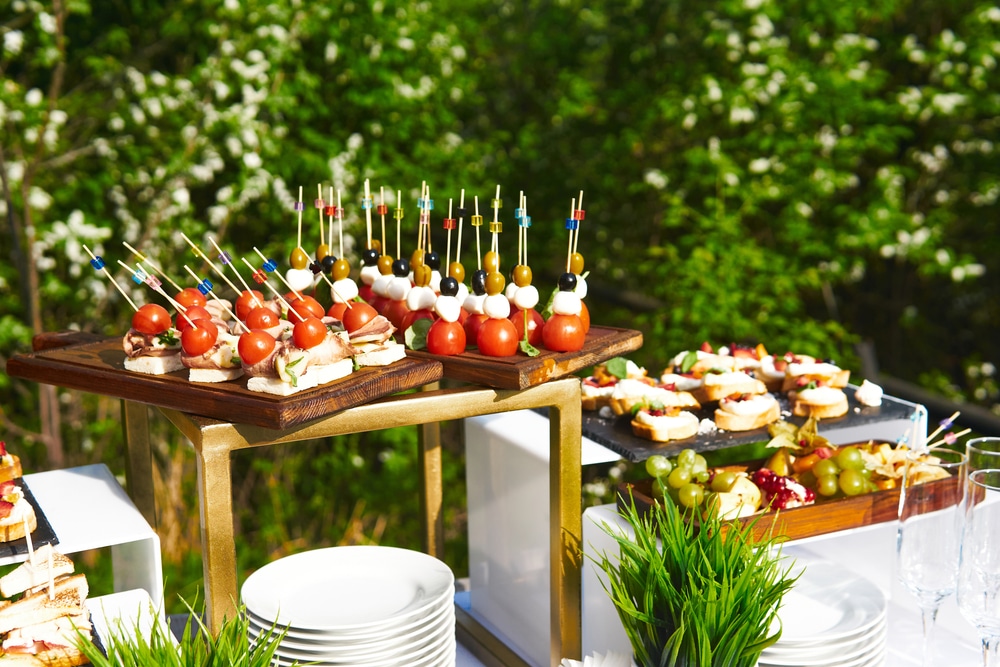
(322, 250)
(494, 282)
(491, 262)
(457, 271)
(298, 259)
(522, 275)
(341, 269)
(576, 263)
(385, 265)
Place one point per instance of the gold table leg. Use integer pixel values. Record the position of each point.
(215, 440)
(139, 459)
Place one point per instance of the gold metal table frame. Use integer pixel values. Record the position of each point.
(215, 440)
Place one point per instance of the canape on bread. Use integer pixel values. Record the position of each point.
(220, 363)
(597, 389)
(717, 386)
(152, 353)
(10, 465)
(17, 516)
(801, 372)
(819, 401)
(627, 394)
(745, 412)
(43, 627)
(664, 424)
(290, 368)
(373, 343)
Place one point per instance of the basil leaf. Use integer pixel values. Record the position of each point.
(416, 335)
(617, 367)
(690, 359)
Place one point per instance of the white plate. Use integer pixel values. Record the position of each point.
(442, 626)
(346, 588)
(441, 656)
(392, 657)
(840, 649)
(330, 639)
(875, 655)
(828, 603)
(835, 656)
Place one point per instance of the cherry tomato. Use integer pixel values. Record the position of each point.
(190, 296)
(151, 319)
(246, 302)
(366, 293)
(310, 332)
(414, 315)
(307, 306)
(584, 317)
(535, 324)
(254, 346)
(199, 339)
(472, 324)
(395, 311)
(337, 311)
(497, 338)
(262, 317)
(446, 338)
(193, 313)
(563, 333)
(358, 315)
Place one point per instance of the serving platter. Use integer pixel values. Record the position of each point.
(521, 371)
(42, 534)
(99, 367)
(824, 516)
(615, 433)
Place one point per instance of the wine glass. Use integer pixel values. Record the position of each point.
(929, 533)
(979, 565)
(983, 453)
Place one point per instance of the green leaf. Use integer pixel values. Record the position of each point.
(617, 367)
(416, 335)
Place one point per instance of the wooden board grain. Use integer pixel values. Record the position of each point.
(99, 368)
(825, 516)
(521, 371)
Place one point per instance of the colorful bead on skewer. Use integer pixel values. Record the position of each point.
(322, 250)
(369, 258)
(198, 253)
(255, 297)
(299, 277)
(142, 277)
(205, 287)
(156, 269)
(260, 276)
(97, 262)
(524, 295)
(496, 304)
(344, 289)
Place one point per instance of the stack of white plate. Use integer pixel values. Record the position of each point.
(831, 618)
(364, 606)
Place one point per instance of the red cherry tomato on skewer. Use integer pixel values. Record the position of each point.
(247, 301)
(262, 318)
(584, 317)
(446, 338)
(563, 333)
(414, 315)
(337, 311)
(472, 323)
(254, 346)
(307, 306)
(190, 296)
(199, 339)
(308, 333)
(193, 313)
(497, 338)
(358, 315)
(535, 324)
(151, 319)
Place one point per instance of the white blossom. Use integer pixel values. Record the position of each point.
(330, 54)
(47, 22)
(13, 42)
(804, 209)
(656, 178)
(405, 43)
(759, 165)
(740, 114)
(947, 102)
(39, 199)
(34, 97)
(690, 120)
(252, 160)
(181, 197)
(942, 256)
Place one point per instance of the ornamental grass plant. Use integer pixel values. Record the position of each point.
(695, 593)
(197, 646)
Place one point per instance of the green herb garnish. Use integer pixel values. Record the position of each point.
(689, 360)
(168, 338)
(416, 336)
(617, 367)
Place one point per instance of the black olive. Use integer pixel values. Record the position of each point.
(315, 267)
(479, 282)
(327, 263)
(433, 260)
(370, 257)
(567, 282)
(449, 286)
(401, 268)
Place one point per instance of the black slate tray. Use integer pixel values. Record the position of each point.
(616, 433)
(42, 534)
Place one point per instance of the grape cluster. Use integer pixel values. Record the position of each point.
(684, 478)
(844, 473)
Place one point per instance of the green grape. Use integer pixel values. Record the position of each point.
(852, 482)
(827, 485)
(724, 481)
(702, 476)
(658, 466)
(826, 467)
(691, 495)
(699, 464)
(850, 458)
(657, 488)
(678, 477)
(686, 457)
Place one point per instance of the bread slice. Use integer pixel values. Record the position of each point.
(717, 386)
(664, 428)
(379, 354)
(21, 519)
(53, 657)
(629, 393)
(748, 414)
(35, 571)
(155, 365)
(69, 594)
(820, 402)
(314, 377)
(214, 374)
(800, 374)
(12, 471)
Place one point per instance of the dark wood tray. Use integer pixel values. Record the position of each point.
(41, 535)
(521, 371)
(99, 367)
(825, 516)
(616, 433)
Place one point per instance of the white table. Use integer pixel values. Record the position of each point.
(88, 509)
(869, 552)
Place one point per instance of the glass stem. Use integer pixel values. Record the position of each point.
(991, 651)
(928, 615)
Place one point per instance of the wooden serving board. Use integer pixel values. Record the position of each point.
(521, 371)
(99, 367)
(826, 516)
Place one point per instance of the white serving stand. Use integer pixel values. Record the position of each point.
(869, 552)
(88, 509)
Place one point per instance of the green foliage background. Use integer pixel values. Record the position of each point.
(799, 173)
